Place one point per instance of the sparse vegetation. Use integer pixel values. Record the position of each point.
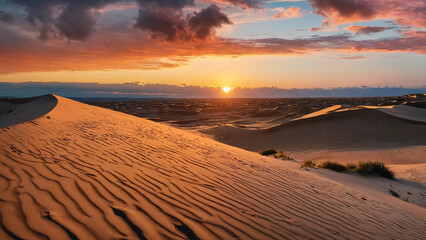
(363, 168)
(374, 168)
(350, 167)
(268, 152)
(309, 163)
(279, 155)
(395, 194)
(282, 156)
(333, 166)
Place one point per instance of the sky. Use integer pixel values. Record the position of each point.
(215, 43)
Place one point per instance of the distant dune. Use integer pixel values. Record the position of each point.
(74, 171)
(352, 129)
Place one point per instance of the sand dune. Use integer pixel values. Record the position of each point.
(82, 172)
(15, 111)
(351, 129)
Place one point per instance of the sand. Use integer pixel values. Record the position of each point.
(83, 172)
(14, 111)
(394, 135)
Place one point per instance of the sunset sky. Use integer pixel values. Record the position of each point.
(235, 43)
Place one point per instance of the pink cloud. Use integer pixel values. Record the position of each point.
(291, 12)
(412, 12)
(365, 29)
(106, 52)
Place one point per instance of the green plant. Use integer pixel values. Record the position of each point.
(333, 166)
(308, 163)
(268, 152)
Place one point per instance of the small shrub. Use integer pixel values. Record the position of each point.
(282, 156)
(350, 167)
(395, 194)
(309, 163)
(268, 152)
(333, 166)
(374, 168)
(364, 168)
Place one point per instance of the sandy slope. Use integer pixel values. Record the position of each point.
(15, 111)
(83, 172)
(393, 135)
(350, 129)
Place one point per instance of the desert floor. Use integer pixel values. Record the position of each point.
(74, 171)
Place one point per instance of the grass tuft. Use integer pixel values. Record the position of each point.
(282, 156)
(268, 152)
(395, 194)
(309, 163)
(363, 168)
(333, 166)
(374, 168)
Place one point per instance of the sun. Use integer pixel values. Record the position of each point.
(226, 89)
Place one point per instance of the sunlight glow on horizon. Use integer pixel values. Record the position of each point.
(226, 89)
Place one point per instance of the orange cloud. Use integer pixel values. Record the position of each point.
(130, 51)
(366, 29)
(291, 12)
(410, 13)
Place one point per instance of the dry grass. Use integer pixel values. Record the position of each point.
(364, 168)
(282, 156)
(308, 163)
(374, 168)
(333, 166)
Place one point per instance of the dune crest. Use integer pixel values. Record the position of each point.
(92, 173)
(15, 111)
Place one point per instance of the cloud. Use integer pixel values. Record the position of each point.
(6, 17)
(344, 10)
(412, 13)
(132, 52)
(291, 12)
(76, 20)
(366, 29)
(174, 21)
(243, 3)
(355, 57)
(324, 26)
(202, 23)
(136, 90)
(168, 22)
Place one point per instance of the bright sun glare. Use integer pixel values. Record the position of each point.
(226, 89)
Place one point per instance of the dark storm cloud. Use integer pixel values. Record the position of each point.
(202, 23)
(165, 23)
(76, 20)
(6, 17)
(346, 8)
(165, 20)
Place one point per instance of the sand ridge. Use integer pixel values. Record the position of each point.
(82, 172)
(15, 111)
(349, 129)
